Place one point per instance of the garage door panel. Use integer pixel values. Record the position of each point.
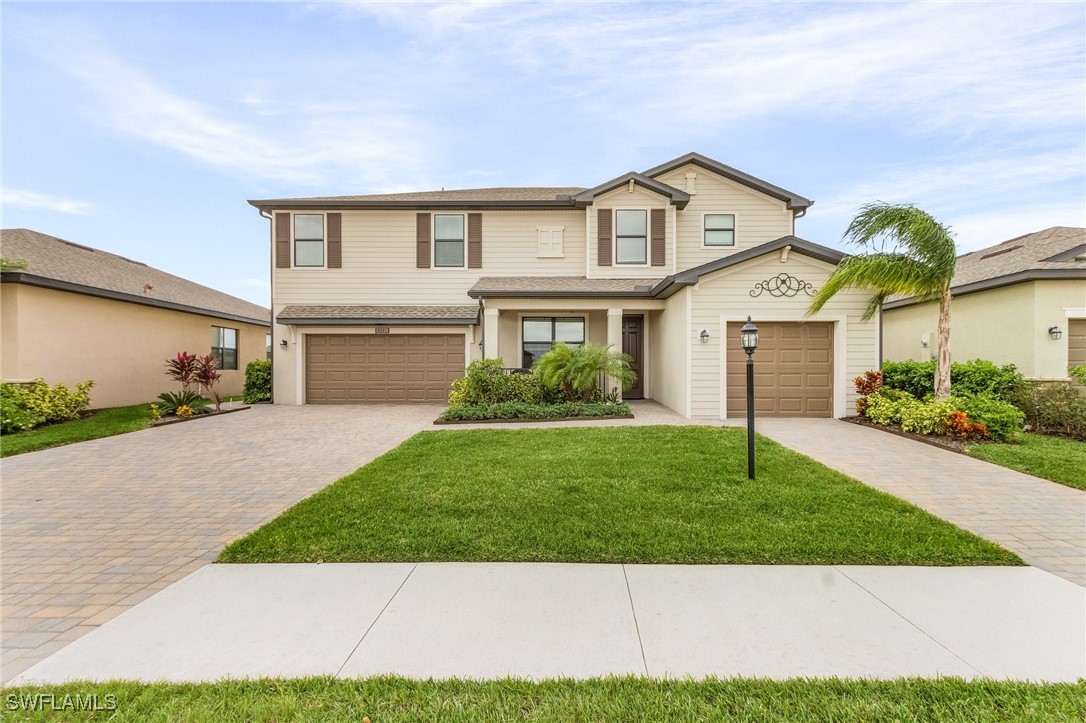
(793, 374)
(1076, 342)
(382, 368)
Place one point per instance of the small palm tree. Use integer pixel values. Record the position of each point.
(920, 263)
(577, 369)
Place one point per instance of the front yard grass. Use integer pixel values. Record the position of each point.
(1054, 458)
(627, 699)
(101, 423)
(618, 494)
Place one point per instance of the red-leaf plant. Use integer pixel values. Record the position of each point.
(958, 425)
(182, 368)
(206, 375)
(869, 383)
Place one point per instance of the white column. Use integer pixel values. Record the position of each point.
(490, 333)
(614, 340)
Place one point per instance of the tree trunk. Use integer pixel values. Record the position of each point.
(942, 366)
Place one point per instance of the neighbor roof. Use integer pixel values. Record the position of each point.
(324, 315)
(58, 264)
(1055, 253)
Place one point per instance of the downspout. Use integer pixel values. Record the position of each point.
(271, 293)
(482, 329)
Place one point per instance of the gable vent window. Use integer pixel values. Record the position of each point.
(550, 242)
(449, 240)
(720, 229)
(631, 237)
(309, 239)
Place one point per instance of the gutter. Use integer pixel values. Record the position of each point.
(375, 321)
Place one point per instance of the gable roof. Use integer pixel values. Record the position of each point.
(793, 201)
(58, 264)
(1055, 253)
(678, 198)
(579, 287)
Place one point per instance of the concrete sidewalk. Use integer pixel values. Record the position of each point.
(488, 620)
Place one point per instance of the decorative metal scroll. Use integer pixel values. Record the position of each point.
(782, 285)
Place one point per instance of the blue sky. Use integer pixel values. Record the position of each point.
(142, 129)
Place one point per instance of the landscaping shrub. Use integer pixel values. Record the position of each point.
(171, 402)
(1001, 419)
(1053, 408)
(1078, 373)
(51, 404)
(886, 405)
(869, 383)
(258, 381)
(182, 369)
(14, 417)
(207, 376)
(520, 410)
(577, 369)
(926, 417)
(971, 377)
(488, 382)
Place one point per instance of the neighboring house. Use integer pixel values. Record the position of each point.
(75, 313)
(1021, 302)
(385, 298)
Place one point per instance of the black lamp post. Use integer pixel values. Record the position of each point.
(748, 339)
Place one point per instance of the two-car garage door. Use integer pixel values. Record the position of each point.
(390, 368)
(793, 370)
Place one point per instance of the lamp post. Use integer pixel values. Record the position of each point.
(748, 339)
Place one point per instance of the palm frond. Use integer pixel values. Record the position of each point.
(885, 274)
(908, 227)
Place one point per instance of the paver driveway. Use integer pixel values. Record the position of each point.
(91, 529)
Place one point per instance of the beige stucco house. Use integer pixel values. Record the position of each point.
(1020, 302)
(69, 313)
(385, 298)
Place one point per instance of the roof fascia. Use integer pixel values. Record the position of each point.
(794, 201)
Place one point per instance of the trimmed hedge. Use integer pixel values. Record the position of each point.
(258, 379)
(978, 376)
(521, 410)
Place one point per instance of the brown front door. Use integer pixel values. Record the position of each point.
(633, 343)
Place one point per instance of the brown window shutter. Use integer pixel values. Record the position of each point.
(656, 231)
(604, 221)
(282, 240)
(422, 241)
(475, 240)
(335, 240)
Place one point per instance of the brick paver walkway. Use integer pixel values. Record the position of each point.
(1044, 522)
(93, 528)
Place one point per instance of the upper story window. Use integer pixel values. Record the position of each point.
(550, 242)
(449, 240)
(719, 229)
(631, 236)
(224, 346)
(309, 239)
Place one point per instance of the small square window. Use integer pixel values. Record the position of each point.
(224, 346)
(720, 229)
(309, 239)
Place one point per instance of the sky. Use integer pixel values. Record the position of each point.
(143, 128)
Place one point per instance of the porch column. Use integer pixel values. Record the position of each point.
(490, 333)
(614, 340)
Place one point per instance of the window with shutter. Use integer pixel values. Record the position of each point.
(551, 242)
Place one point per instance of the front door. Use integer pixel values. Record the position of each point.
(633, 343)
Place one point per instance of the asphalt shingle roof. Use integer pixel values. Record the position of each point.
(503, 194)
(554, 285)
(1024, 253)
(324, 312)
(55, 259)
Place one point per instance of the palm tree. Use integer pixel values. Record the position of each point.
(920, 263)
(577, 369)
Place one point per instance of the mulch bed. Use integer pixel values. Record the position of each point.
(174, 420)
(950, 443)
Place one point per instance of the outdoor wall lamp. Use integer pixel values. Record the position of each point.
(1055, 332)
(748, 339)
(704, 336)
(283, 344)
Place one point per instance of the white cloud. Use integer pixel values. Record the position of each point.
(44, 202)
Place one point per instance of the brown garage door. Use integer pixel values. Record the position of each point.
(1076, 342)
(793, 370)
(359, 368)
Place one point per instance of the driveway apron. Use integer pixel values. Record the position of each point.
(91, 529)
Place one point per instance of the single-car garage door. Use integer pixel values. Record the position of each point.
(793, 370)
(1076, 342)
(360, 368)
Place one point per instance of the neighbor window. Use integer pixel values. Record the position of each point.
(267, 345)
(540, 333)
(224, 346)
(449, 240)
(720, 229)
(309, 239)
(631, 237)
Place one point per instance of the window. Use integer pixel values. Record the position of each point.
(631, 237)
(309, 239)
(540, 333)
(550, 242)
(449, 240)
(224, 347)
(719, 229)
(267, 346)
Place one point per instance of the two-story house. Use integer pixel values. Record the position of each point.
(386, 298)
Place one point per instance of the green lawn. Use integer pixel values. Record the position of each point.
(102, 423)
(617, 494)
(1054, 458)
(389, 699)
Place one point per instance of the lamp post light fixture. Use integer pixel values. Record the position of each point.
(748, 339)
(1055, 332)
